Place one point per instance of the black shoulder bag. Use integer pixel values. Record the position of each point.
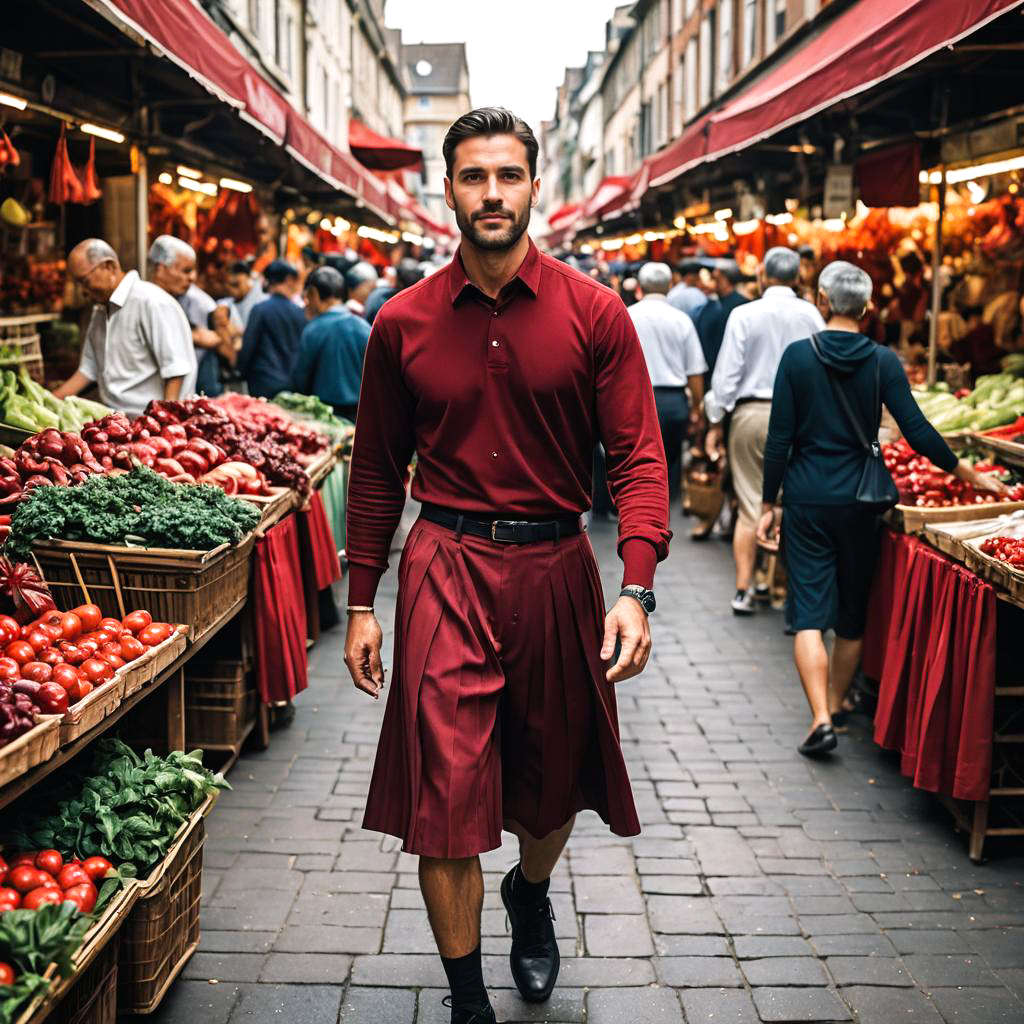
(876, 487)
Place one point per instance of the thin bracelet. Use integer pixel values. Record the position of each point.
(359, 608)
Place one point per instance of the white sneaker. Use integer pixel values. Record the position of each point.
(743, 603)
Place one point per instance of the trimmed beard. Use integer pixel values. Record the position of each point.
(497, 242)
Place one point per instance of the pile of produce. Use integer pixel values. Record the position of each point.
(139, 508)
(32, 879)
(921, 483)
(47, 459)
(1013, 432)
(1006, 549)
(128, 811)
(311, 409)
(998, 399)
(265, 420)
(118, 442)
(29, 406)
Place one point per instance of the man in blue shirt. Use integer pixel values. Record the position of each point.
(333, 344)
(270, 345)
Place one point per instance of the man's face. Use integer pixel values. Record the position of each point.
(175, 277)
(490, 191)
(723, 286)
(98, 282)
(238, 286)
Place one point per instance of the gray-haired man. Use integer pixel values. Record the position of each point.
(756, 335)
(137, 346)
(361, 279)
(674, 361)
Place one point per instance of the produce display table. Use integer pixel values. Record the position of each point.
(931, 642)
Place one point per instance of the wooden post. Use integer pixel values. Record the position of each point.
(933, 327)
(979, 826)
(175, 688)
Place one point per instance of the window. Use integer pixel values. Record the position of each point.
(774, 23)
(677, 15)
(749, 30)
(643, 144)
(690, 89)
(325, 84)
(424, 102)
(724, 45)
(691, 6)
(254, 17)
(661, 133)
(707, 59)
(680, 92)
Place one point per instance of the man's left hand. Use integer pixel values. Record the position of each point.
(627, 622)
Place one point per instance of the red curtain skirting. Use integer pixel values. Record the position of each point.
(930, 642)
(319, 555)
(279, 613)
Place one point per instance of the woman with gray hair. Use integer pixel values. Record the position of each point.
(825, 413)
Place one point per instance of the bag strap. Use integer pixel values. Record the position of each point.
(840, 395)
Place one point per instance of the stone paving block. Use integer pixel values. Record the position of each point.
(691, 945)
(1001, 947)
(607, 860)
(306, 968)
(224, 966)
(698, 971)
(399, 971)
(722, 851)
(785, 970)
(651, 1005)
(749, 947)
(326, 939)
(671, 885)
(607, 894)
(377, 1004)
(831, 924)
(853, 945)
(195, 1001)
(890, 1005)
(592, 972)
(655, 866)
(618, 935)
(739, 885)
(313, 1003)
(910, 940)
(799, 1004)
(236, 942)
(935, 970)
(977, 1005)
(868, 970)
(343, 909)
(713, 1006)
(677, 915)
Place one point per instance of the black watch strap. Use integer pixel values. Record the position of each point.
(641, 594)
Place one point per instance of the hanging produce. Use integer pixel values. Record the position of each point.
(65, 186)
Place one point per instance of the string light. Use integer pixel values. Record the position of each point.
(104, 133)
(235, 185)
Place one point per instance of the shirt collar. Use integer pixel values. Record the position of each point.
(654, 295)
(528, 273)
(120, 294)
(779, 291)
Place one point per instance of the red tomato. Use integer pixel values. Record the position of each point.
(113, 660)
(79, 689)
(89, 645)
(131, 648)
(71, 874)
(9, 668)
(37, 897)
(10, 899)
(37, 671)
(51, 656)
(50, 861)
(70, 626)
(22, 858)
(6, 974)
(39, 641)
(3, 869)
(7, 635)
(90, 615)
(97, 868)
(47, 881)
(96, 671)
(21, 651)
(65, 675)
(137, 621)
(113, 647)
(73, 654)
(52, 631)
(83, 896)
(109, 623)
(155, 634)
(10, 624)
(104, 635)
(24, 878)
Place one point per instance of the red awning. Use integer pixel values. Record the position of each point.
(611, 188)
(866, 44)
(565, 214)
(181, 31)
(381, 153)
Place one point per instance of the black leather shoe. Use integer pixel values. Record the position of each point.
(534, 958)
(461, 1015)
(821, 741)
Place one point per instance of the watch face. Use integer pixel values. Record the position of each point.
(648, 602)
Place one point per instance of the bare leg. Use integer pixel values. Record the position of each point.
(812, 664)
(845, 659)
(538, 857)
(744, 552)
(453, 891)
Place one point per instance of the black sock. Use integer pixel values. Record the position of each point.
(528, 893)
(466, 980)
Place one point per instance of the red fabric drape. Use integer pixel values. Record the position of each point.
(279, 613)
(890, 177)
(316, 542)
(931, 643)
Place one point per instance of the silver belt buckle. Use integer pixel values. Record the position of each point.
(503, 522)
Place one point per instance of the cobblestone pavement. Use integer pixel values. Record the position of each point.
(763, 888)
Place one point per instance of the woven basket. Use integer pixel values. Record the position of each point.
(703, 500)
(202, 589)
(31, 748)
(91, 710)
(220, 706)
(162, 931)
(92, 998)
(136, 674)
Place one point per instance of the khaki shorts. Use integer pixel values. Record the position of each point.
(748, 432)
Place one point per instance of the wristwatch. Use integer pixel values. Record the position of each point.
(641, 594)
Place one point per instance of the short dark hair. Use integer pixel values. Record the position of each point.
(408, 272)
(329, 284)
(489, 121)
(279, 271)
(688, 267)
(239, 267)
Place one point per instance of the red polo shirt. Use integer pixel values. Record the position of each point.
(503, 403)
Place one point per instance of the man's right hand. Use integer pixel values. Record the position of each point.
(362, 653)
(713, 441)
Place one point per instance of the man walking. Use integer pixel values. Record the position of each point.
(686, 296)
(715, 315)
(332, 346)
(499, 372)
(674, 361)
(270, 345)
(756, 335)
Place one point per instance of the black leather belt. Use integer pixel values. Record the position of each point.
(504, 531)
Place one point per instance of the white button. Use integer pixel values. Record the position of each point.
(495, 343)
(494, 455)
(495, 313)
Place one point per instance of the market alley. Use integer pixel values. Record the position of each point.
(765, 887)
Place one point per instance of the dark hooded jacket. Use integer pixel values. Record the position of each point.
(812, 450)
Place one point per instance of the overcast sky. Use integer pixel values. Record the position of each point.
(517, 53)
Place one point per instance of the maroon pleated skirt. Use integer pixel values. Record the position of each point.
(499, 707)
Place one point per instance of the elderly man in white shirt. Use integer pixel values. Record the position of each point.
(138, 345)
(674, 358)
(756, 335)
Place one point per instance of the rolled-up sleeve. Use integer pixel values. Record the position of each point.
(170, 339)
(628, 428)
(725, 381)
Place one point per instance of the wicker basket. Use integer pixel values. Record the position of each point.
(220, 706)
(703, 499)
(912, 519)
(92, 998)
(136, 674)
(90, 710)
(31, 748)
(202, 589)
(162, 931)
(20, 345)
(274, 506)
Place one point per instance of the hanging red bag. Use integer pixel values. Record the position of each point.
(8, 154)
(91, 190)
(64, 184)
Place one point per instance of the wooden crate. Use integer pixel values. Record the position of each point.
(92, 997)
(90, 710)
(20, 344)
(162, 931)
(221, 706)
(136, 674)
(32, 748)
(199, 588)
(274, 506)
(912, 519)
